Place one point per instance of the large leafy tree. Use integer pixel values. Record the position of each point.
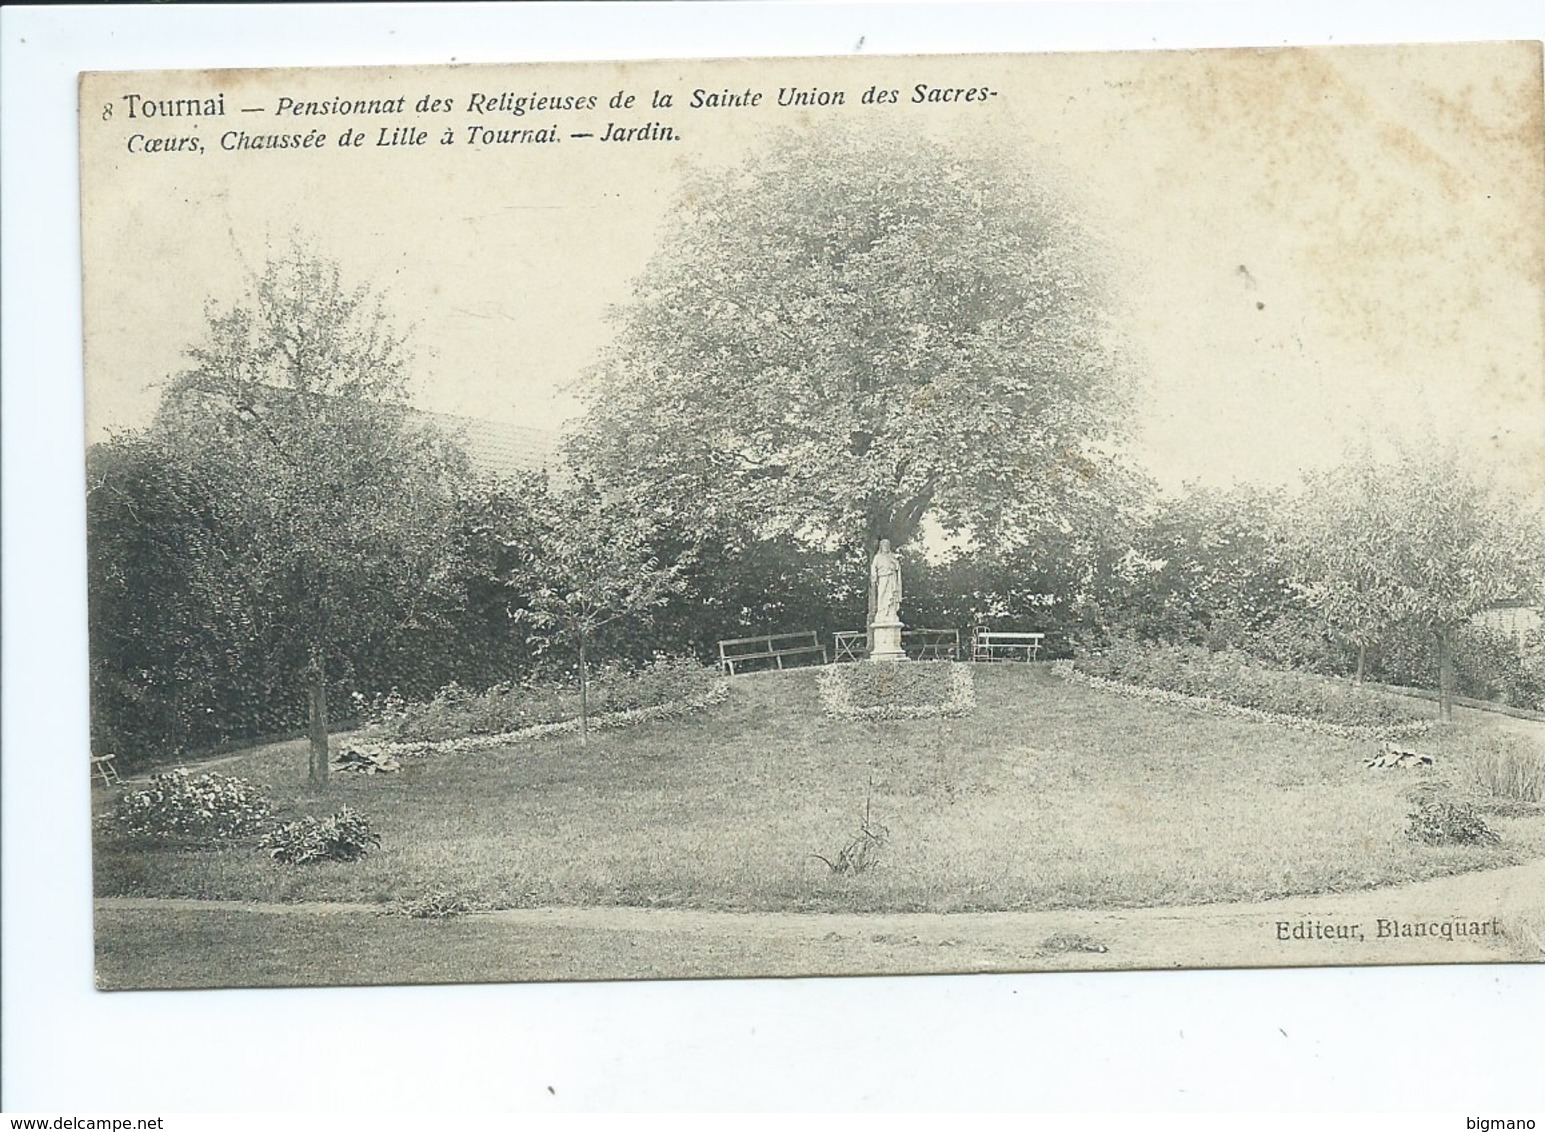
(337, 514)
(850, 333)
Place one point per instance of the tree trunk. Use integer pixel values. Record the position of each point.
(1445, 675)
(317, 676)
(1362, 661)
(584, 695)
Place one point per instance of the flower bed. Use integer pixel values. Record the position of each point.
(911, 690)
(505, 709)
(374, 748)
(1395, 728)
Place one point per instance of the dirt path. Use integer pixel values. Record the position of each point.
(1493, 916)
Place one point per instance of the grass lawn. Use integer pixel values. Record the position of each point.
(1049, 795)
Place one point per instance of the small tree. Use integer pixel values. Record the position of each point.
(336, 514)
(1347, 547)
(1461, 547)
(595, 566)
(1421, 543)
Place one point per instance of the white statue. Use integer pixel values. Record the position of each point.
(885, 574)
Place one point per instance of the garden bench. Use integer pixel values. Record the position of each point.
(987, 645)
(771, 646)
(102, 767)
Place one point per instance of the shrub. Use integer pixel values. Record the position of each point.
(439, 905)
(456, 713)
(1441, 822)
(1237, 678)
(910, 690)
(346, 836)
(1506, 765)
(194, 807)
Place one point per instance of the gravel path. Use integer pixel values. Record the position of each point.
(1494, 916)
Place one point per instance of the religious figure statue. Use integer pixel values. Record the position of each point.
(885, 574)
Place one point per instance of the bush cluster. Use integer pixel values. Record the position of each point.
(913, 690)
(346, 836)
(1239, 679)
(456, 713)
(1442, 822)
(200, 808)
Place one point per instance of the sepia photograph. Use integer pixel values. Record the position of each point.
(808, 517)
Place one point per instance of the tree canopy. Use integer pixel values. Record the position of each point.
(848, 333)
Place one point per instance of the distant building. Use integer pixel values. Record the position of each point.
(495, 448)
(500, 449)
(1512, 619)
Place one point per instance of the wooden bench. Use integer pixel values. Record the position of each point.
(773, 646)
(102, 767)
(986, 645)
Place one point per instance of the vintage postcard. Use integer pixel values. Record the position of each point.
(816, 516)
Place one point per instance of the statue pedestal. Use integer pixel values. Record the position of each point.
(887, 642)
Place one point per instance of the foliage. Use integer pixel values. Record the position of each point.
(1299, 639)
(1210, 567)
(1439, 821)
(868, 329)
(1237, 678)
(200, 808)
(1346, 548)
(1059, 575)
(345, 836)
(1508, 765)
(903, 690)
(186, 655)
(455, 712)
(172, 657)
(737, 584)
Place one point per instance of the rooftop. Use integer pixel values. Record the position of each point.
(499, 448)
